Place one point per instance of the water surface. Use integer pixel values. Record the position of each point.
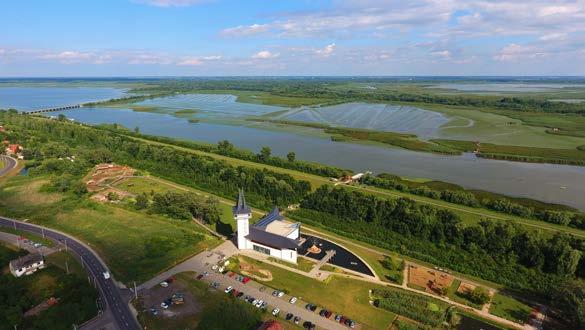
(547, 182)
(33, 98)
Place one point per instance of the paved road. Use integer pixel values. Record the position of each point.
(10, 164)
(110, 293)
(203, 262)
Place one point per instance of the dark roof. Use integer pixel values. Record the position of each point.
(241, 207)
(26, 261)
(269, 239)
(274, 215)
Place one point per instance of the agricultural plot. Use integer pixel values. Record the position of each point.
(510, 308)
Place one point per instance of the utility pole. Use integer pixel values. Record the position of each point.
(43, 231)
(82, 264)
(14, 223)
(67, 266)
(66, 250)
(135, 292)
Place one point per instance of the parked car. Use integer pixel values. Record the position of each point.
(280, 294)
(293, 300)
(214, 267)
(240, 294)
(275, 312)
(342, 319)
(297, 320)
(215, 285)
(337, 317)
(153, 311)
(259, 303)
(289, 316)
(264, 305)
(308, 325)
(328, 314)
(164, 284)
(350, 323)
(246, 280)
(171, 279)
(262, 288)
(228, 289)
(164, 305)
(205, 273)
(231, 274)
(311, 307)
(274, 293)
(254, 302)
(200, 276)
(322, 312)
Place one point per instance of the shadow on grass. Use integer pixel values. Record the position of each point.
(224, 229)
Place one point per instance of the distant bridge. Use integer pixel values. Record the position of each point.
(67, 107)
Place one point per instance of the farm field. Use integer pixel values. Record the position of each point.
(341, 295)
(123, 237)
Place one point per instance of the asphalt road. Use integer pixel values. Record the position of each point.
(110, 293)
(10, 164)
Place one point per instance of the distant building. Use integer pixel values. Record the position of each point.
(27, 265)
(2, 129)
(14, 149)
(271, 235)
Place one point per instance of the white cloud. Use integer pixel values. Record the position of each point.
(212, 58)
(327, 51)
(190, 61)
(264, 54)
(515, 52)
(553, 36)
(444, 54)
(245, 30)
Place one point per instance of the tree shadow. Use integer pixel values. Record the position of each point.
(224, 229)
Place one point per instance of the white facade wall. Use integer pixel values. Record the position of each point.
(294, 234)
(28, 270)
(243, 224)
(284, 254)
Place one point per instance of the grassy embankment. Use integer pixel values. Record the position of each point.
(468, 215)
(136, 245)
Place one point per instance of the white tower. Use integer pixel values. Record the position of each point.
(242, 215)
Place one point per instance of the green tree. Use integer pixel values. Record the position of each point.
(62, 117)
(569, 298)
(265, 153)
(137, 130)
(480, 295)
(291, 156)
(141, 201)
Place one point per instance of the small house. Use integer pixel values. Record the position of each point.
(27, 265)
(14, 149)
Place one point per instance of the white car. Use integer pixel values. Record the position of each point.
(280, 294)
(254, 302)
(259, 303)
(214, 267)
(164, 284)
(293, 300)
(275, 311)
(164, 305)
(106, 275)
(228, 289)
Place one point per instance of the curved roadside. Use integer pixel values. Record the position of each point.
(10, 164)
(115, 305)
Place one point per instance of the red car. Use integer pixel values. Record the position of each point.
(231, 274)
(328, 314)
(246, 280)
(200, 276)
(171, 279)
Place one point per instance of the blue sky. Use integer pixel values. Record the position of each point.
(281, 37)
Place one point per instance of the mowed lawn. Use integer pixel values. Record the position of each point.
(509, 308)
(134, 244)
(341, 295)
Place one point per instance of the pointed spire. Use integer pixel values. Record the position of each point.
(241, 207)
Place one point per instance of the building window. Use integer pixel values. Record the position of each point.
(261, 249)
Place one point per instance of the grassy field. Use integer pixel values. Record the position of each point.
(257, 97)
(303, 264)
(455, 296)
(340, 295)
(510, 308)
(136, 245)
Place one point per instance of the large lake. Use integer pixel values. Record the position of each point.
(552, 183)
(32, 98)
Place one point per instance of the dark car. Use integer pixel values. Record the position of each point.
(200, 276)
(328, 314)
(297, 320)
(308, 325)
(239, 295)
(313, 308)
(323, 312)
(289, 316)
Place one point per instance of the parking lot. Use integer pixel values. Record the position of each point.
(203, 264)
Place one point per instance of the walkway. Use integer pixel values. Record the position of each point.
(321, 262)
